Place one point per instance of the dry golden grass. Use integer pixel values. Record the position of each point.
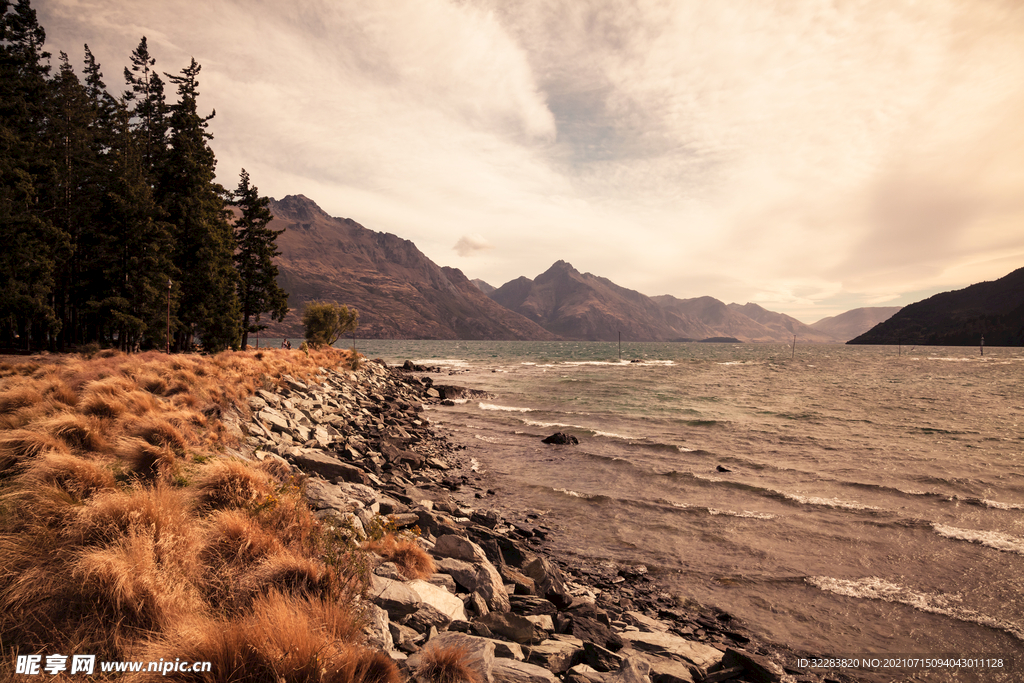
(446, 665)
(108, 548)
(282, 639)
(411, 559)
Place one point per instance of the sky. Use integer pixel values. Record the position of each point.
(811, 156)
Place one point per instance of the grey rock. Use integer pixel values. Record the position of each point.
(556, 656)
(480, 575)
(427, 616)
(378, 635)
(511, 671)
(479, 652)
(441, 599)
(758, 667)
(512, 626)
(702, 655)
(549, 580)
(394, 596)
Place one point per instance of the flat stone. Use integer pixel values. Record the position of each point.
(665, 670)
(633, 670)
(555, 656)
(511, 671)
(702, 655)
(512, 626)
(645, 623)
(445, 602)
(327, 466)
(399, 599)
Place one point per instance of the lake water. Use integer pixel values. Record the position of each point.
(874, 503)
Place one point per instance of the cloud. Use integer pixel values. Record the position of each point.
(469, 245)
(804, 153)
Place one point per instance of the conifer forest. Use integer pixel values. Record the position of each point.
(113, 229)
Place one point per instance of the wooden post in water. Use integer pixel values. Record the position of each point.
(983, 345)
(620, 346)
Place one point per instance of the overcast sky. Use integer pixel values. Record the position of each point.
(811, 156)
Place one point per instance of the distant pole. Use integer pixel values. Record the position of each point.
(899, 347)
(168, 316)
(620, 345)
(983, 345)
(794, 348)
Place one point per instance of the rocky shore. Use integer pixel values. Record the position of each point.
(518, 614)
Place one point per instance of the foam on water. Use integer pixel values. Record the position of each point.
(992, 539)
(828, 502)
(508, 409)
(875, 588)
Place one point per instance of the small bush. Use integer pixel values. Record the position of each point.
(326, 321)
(412, 560)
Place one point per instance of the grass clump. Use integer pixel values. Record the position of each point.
(446, 664)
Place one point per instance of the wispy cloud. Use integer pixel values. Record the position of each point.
(809, 156)
(471, 244)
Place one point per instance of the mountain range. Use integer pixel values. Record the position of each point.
(402, 294)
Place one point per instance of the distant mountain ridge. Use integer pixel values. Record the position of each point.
(399, 292)
(583, 306)
(962, 317)
(854, 322)
(402, 294)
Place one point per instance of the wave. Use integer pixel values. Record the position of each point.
(446, 361)
(487, 439)
(874, 588)
(991, 539)
(508, 409)
(984, 502)
(588, 430)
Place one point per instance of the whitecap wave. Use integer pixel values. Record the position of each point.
(575, 494)
(874, 588)
(829, 502)
(991, 539)
(508, 409)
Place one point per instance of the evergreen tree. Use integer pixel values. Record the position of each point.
(137, 249)
(33, 245)
(150, 111)
(258, 291)
(205, 244)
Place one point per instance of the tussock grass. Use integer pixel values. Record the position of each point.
(410, 558)
(108, 548)
(282, 639)
(446, 665)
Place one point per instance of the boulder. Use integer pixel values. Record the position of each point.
(511, 671)
(561, 439)
(699, 654)
(327, 466)
(591, 630)
(512, 626)
(549, 581)
(426, 616)
(584, 673)
(479, 651)
(445, 602)
(555, 656)
(397, 597)
(665, 670)
(473, 570)
(376, 630)
(601, 659)
(633, 670)
(529, 605)
(758, 667)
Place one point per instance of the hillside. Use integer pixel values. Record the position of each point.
(850, 324)
(994, 310)
(582, 306)
(399, 292)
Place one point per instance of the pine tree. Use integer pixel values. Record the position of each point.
(205, 245)
(258, 291)
(32, 244)
(150, 111)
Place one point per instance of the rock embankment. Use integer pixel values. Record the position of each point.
(516, 615)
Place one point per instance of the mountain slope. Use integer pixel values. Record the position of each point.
(994, 310)
(399, 292)
(781, 326)
(582, 306)
(850, 324)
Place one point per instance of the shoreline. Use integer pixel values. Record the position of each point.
(389, 460)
